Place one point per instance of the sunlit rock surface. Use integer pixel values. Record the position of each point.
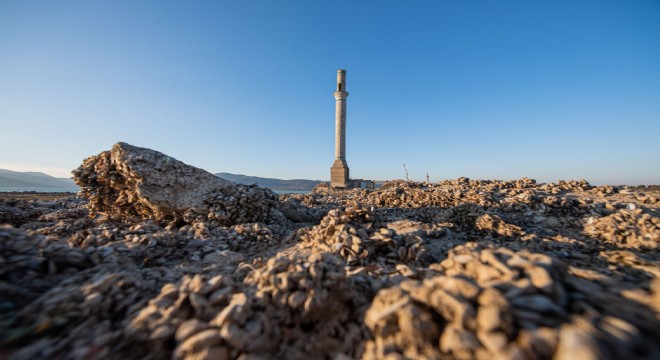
(133, 181)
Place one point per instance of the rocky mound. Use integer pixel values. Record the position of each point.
(134, 181)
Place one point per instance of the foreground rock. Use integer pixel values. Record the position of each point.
(134, 181)
(462, 269)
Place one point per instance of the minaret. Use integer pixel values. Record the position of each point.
(339, 170)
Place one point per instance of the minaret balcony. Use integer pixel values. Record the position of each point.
(341, 95)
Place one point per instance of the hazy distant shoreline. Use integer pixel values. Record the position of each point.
(75, 190)
(16, 181)
(40, 190)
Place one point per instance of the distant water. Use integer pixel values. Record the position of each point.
(277, 191)
(45, 190)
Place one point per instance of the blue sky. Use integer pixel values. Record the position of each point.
(484, 89)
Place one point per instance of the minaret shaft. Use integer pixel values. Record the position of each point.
(339, 177)
(340, 129)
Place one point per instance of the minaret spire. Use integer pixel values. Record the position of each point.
(339, 172)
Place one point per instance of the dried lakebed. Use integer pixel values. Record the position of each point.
(156, 259)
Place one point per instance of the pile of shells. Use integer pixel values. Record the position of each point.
(297, 212)
(647, 199)
(9, 212)
(417, 195)
(241, 204)
(448, 193)
(19, 255)
(626, 227)
(20, 212)
(562, 185)
(604, 190)
(28, 257)
(485, 303)
(494, 225)
(81, 316)
(168, 261)
(311, 299)
(355, 234)
(290, 308)
(251, 238)
(179, 312)
(472, 218)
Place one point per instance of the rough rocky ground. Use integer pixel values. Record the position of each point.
(153, 261)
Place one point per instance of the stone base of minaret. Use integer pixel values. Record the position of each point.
(339, 174)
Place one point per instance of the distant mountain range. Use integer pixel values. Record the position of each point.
(33, 180)
(276, 184)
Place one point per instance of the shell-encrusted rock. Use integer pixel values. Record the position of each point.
(129, 180)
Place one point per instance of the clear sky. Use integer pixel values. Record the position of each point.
(484, 89)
